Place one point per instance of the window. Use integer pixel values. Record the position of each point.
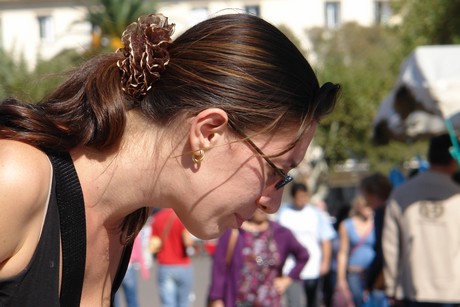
(252, 9)
(383, 12)
(332, 14)
(46, 27)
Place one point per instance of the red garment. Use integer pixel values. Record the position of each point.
(173, 250)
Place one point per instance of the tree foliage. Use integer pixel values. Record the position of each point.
(31, 86)
(110, 16)
(428, 22)
(13, 75)
(365, 61)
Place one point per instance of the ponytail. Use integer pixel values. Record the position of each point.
(89, 109)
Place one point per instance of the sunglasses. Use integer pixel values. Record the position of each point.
(285, 178)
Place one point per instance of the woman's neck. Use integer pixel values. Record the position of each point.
(114, 184)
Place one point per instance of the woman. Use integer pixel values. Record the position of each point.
(356, 249)
(376, 189)
(247, 265)
(181, 124)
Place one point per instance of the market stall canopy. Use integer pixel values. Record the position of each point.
(426, 93)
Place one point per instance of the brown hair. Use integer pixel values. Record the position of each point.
(377, 184)
(236, 62)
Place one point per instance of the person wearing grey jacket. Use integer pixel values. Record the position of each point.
(421, 234)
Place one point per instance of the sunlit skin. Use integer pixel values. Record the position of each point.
(219, 193)
(150, 167)
(234, 181)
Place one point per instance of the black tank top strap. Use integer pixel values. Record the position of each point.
(73, 233)
(73, 228)
(65, 223)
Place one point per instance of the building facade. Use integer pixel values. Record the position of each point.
(33, 29)
(30, 30)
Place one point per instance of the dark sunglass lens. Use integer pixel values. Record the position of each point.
(283, 182)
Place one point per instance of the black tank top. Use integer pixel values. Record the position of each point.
(38, 284)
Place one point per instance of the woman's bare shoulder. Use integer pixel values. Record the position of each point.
(23, 167)
(25, 175)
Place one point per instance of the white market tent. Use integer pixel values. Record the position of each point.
(432, 74)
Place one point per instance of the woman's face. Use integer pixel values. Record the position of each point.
(372, 199)
(233, 181)
(363, 208)
(301, 199)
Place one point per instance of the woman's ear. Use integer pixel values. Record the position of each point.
(207, 128)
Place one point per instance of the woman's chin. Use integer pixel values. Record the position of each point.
(207, 233)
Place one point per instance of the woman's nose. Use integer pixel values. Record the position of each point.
(270, 203)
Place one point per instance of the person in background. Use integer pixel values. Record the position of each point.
(421, 234)
(314, 231)
(376, 189)
(330, 279)
(247, 265)
(208, 124)
(129, 285)
(356, 249)
(175, 271)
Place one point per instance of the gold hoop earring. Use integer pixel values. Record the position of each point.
(198, 156)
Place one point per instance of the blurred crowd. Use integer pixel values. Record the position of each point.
(395, 244)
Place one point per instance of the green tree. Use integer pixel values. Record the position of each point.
(428, 22)
(17, 81)
(365, 61)
(111, 17)
(13, 75)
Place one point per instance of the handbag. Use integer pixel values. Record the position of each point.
(342, 298)
(156, 242)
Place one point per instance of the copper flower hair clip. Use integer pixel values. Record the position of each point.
(145, 53)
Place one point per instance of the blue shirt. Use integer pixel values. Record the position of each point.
(362, 255)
